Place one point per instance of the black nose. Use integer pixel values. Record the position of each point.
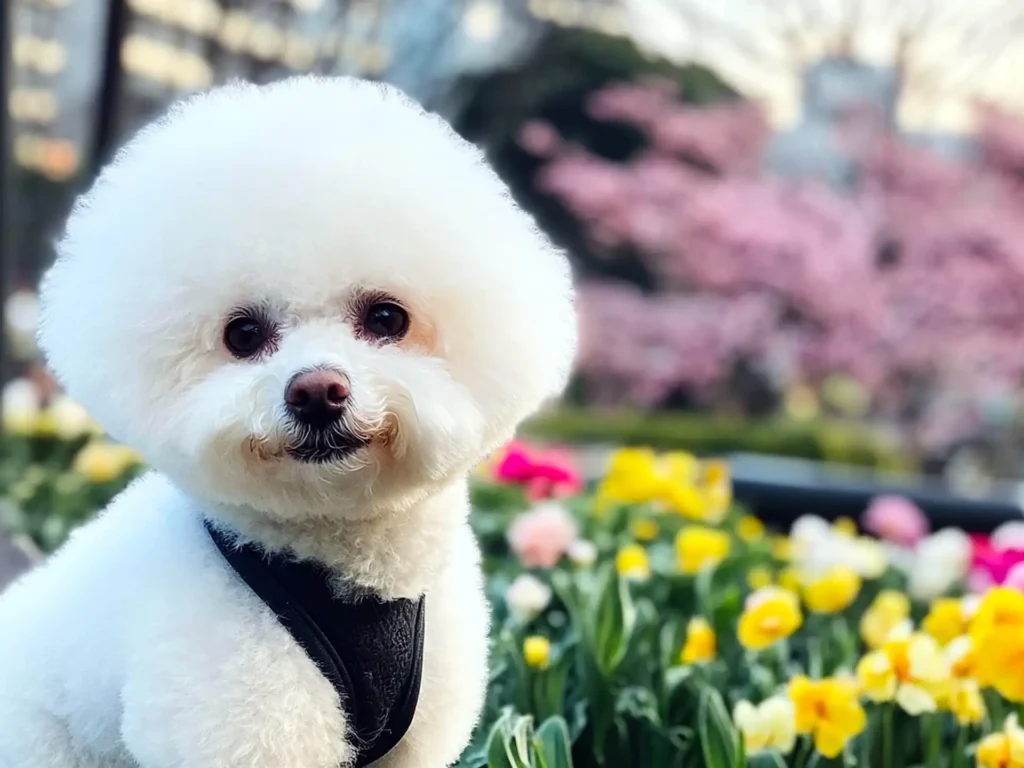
(317, 397)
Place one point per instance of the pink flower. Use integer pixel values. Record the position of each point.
(896, 519)
(1015, 578)
(545, 473)
(993, 563)
(541, 536)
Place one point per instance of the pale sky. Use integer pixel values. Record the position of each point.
(990, 69)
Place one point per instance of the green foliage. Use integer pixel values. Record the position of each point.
(707, 434)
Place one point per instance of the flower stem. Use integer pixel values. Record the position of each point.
(887, 740)
(933, 730)
(958, 750)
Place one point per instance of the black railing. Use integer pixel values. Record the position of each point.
(780, 490)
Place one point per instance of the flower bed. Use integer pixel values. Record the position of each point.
(650, 622)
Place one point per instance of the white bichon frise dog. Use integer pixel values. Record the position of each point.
(313, 308)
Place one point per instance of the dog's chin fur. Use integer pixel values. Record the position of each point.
(299, 202)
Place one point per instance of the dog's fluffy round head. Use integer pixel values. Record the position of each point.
(257, 233)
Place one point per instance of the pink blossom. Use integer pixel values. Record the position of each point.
(541, 536)
(544, 473)
(1015, 577)
(993, 563)
(896, 519)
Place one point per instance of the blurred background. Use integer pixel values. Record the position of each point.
(798, 225)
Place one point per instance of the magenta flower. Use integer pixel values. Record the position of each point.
(544, 473)
(896, 519)
(993, 563)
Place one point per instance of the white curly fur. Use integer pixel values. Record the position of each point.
(135, 644)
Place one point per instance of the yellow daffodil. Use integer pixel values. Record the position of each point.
(631, 562)
(104, 462)
(945, 619)
(845, 527)
(749, 528)
(700, 642)
(717, 487)
(759, 577)
(536, 651)
(962, 697)
(769, 615)
(965, 702)
(644, 530)
(768, 725)
(909, 669)
(1003, 749)
(997, 632)
(886, 612)
(686, 500)
(698, 547)
(631, 478)
(828, 710)
(833, 591)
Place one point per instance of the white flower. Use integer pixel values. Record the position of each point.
(21, 315)
(769, 725)
(70, 419)
(20, 403)
(940, 561)
(1009, 536)
(582, 553)
(527, 597)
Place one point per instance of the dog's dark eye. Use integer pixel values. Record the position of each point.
(246, 336)
(386, 320)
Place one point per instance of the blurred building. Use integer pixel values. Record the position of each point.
(838, 96)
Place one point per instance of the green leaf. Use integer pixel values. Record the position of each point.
(553, 743)
(718, 737)
(614, 622)
(766, 758)
(498, 755)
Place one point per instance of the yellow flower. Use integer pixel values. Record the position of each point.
(884, 614)
(698, 547)
(844, 526)
(827, 709)
(963, 661)
(631, 562)
(749, 528)
(789, 579)
(833, 591)
(104, 462)
(770, 615)
(700, 642)
(769, 725)
(536, 651)
(717, 486)
(965, 701)
(945, 619)
(632, 478)
(962, 696)
(685, 499)
(782, 548)
(1003, 749)
(644, 530)
(997, 632)
(759, 577)
(909, 669)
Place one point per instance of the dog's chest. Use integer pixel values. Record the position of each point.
(369, 650)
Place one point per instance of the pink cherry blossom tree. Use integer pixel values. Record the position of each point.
(910, 282)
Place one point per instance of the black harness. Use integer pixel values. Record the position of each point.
(370, 650)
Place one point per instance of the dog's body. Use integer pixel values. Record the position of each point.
(137, 645)
(313, 331)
